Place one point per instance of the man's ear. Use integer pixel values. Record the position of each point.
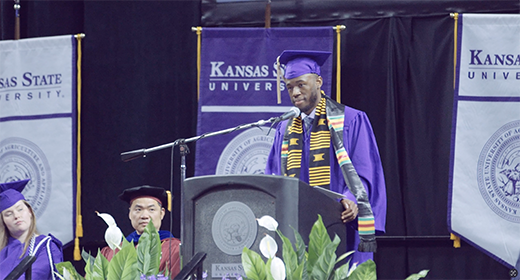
(319, 81)
(163, 212)
(129, 213)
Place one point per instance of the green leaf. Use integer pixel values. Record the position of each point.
(100, 267)
(300, 247)
(298, 272)
(341, 272)
(268, 270)
(149, 251)
(89, 263)
(419, 275)
(124, 264)
(318, 240)
(342, 257)
(86, 256)
(253, 264)
(324, 266)
(289, 256)
(89, 271)
(302, 253)
(60, 267)
(364, 271)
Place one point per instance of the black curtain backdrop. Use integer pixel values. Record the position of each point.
(139, 91)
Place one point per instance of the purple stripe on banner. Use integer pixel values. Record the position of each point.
(238, 71)
(36, 117)
(489, 98)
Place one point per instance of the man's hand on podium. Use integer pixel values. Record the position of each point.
(351, 210)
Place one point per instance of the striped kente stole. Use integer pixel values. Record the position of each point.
(328, 125)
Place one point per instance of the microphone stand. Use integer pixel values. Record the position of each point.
(131, 155)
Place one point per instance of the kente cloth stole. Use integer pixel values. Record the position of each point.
(328, 125)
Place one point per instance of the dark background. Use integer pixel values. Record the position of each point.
(139, 91)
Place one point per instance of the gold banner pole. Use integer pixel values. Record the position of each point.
(268, 14)
(17, 20)
(338, 29)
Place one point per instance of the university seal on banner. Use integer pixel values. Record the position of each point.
(234, 227)
(247, 153)
(22, 159)
(498, 172)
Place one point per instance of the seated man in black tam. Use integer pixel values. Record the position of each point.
(146, 204)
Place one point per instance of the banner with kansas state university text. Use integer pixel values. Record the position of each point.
(238, 86)
(37, 127)
(484, 206)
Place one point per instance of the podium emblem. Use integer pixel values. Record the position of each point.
(234, 227)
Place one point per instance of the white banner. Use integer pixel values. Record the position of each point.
(485, 184)
(37, 127)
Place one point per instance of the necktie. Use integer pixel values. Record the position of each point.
(308, 123)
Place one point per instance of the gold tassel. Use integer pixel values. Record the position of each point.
(77, 254)
(456, 240)
(169, 196)
(79, 222)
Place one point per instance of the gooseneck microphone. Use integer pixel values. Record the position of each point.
(292, 113)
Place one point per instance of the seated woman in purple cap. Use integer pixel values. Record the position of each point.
(18, 236)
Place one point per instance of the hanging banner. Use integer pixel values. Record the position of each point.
(238, 86)
(37, 127)
(484, 204)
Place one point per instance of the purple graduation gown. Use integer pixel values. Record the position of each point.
(361, 147)
(41, 268)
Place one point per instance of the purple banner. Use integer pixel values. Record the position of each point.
(238, 86)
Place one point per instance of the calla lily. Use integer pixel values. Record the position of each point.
(354, 266)
(268, 247)
(66, 274)
(278, 269)
(268, 222)
(113, 234)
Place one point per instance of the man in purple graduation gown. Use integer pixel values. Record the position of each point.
(303, 81)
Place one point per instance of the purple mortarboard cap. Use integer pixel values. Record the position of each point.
(299, 63)
(11, 192)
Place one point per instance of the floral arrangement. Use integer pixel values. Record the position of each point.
(129, 263)
(318, 262)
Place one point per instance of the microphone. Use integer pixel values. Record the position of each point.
(293, 113)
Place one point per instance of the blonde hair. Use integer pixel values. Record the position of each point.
(4, 232)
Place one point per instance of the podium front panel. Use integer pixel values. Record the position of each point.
(220, 216)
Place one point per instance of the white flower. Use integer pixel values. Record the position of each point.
(268, 246)
(113, 234)
(278, 269)
(268, 222)
(354, 266)
(66, 274)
